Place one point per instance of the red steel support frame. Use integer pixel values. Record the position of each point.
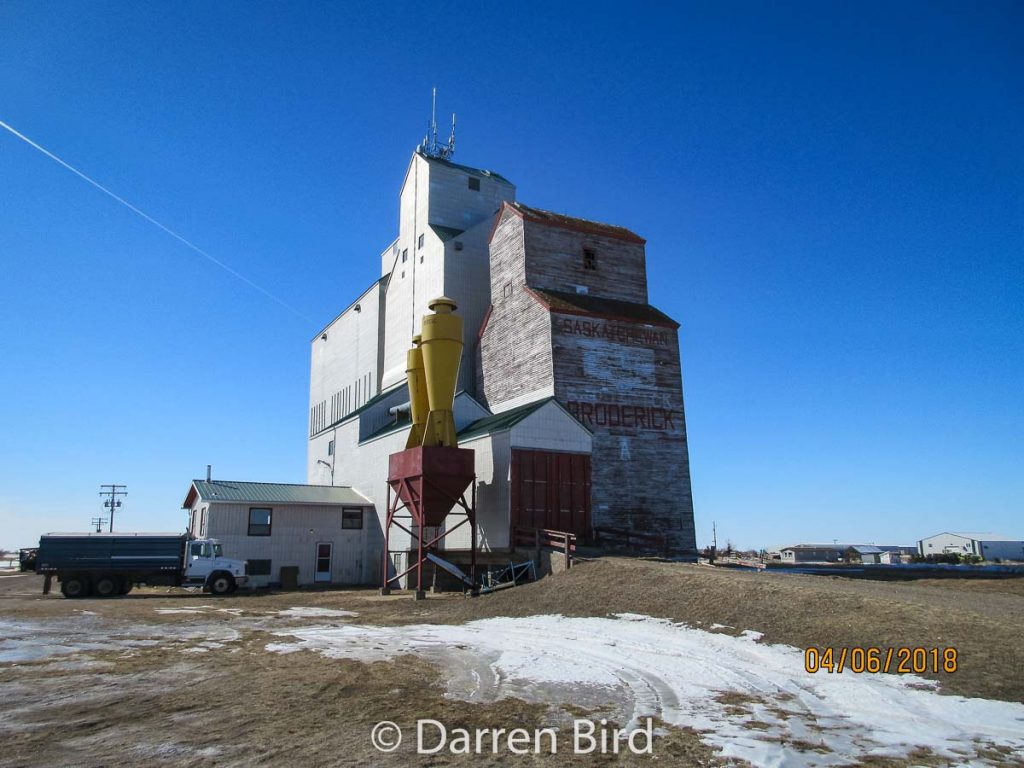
(416, 516)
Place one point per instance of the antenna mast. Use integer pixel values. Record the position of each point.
(430, 146)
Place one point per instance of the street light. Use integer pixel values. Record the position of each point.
(330, 466)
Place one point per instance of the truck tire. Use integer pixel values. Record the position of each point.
(106, 586)
(74, 586)
(222, 583)
(126, 587)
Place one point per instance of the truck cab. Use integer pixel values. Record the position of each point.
(206, 565)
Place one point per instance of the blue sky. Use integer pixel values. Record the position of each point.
(831, 194)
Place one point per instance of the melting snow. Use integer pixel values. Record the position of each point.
(645, 666)
(302, 613)
(30, 641)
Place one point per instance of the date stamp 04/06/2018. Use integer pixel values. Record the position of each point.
(901, 661)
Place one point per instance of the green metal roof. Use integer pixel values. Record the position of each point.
(499, 422)
(446, 233)
(387, 429)
(598, 306)
(272, 493)
(368, 404)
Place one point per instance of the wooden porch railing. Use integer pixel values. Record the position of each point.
(538, 538)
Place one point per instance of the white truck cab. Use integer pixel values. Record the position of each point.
(205, 565)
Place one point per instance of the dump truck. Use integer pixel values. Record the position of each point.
(110, 564)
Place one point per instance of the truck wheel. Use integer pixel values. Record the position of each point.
(106, 586)
(222, 583)
(74, 586)
(126, 587)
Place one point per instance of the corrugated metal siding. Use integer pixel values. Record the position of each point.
(295, 532)
(551, 490)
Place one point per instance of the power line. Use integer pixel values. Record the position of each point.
(153, 221)
(113, 502)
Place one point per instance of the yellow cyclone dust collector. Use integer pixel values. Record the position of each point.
(432, 479)
(441, 351)
(417, 393)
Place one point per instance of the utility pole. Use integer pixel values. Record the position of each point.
(113, 502)
(98, 522)
(714, 542)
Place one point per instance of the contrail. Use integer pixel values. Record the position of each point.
(153, 221)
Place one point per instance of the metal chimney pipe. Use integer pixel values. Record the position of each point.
(209, 472)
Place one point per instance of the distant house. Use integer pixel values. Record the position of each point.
(838, 553)
(988, 546)
(814, 553)
(330, 534)
(863, 553)
(873, 554)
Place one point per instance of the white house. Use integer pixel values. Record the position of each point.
(330, 534)
(988, 546)
(813, 553)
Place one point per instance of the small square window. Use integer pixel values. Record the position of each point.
(405, 255)
(258, 567)
(259, 521)
(419, 243)
(330, 448)
(474, 184)
(351, 518)
(589, 259)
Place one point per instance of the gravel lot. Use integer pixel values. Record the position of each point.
(168, 677)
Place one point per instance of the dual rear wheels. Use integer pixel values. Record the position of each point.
(105, 585)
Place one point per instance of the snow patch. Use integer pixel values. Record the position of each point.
(30, 641)
(645, 666)
(304, 613)
(168, 611)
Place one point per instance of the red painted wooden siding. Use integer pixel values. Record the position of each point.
(551, 490)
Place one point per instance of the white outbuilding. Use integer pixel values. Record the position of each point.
(322, 534)
(988, 546)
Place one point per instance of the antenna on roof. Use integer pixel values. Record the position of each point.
(430, 146)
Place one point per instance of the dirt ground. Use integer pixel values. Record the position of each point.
(165, 695)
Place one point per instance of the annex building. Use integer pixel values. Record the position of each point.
(570, 385)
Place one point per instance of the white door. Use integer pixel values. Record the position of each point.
(324, 553)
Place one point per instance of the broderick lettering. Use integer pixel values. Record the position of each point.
(619, 415)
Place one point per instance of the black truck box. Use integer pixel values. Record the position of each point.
(66, 552)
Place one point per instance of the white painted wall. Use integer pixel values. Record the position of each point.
(437, 193)
(295, 531)
(951, 542)
(344, 361)
(492, 457)
(551, 428)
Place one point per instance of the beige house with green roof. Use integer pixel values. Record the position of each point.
(325, 532)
